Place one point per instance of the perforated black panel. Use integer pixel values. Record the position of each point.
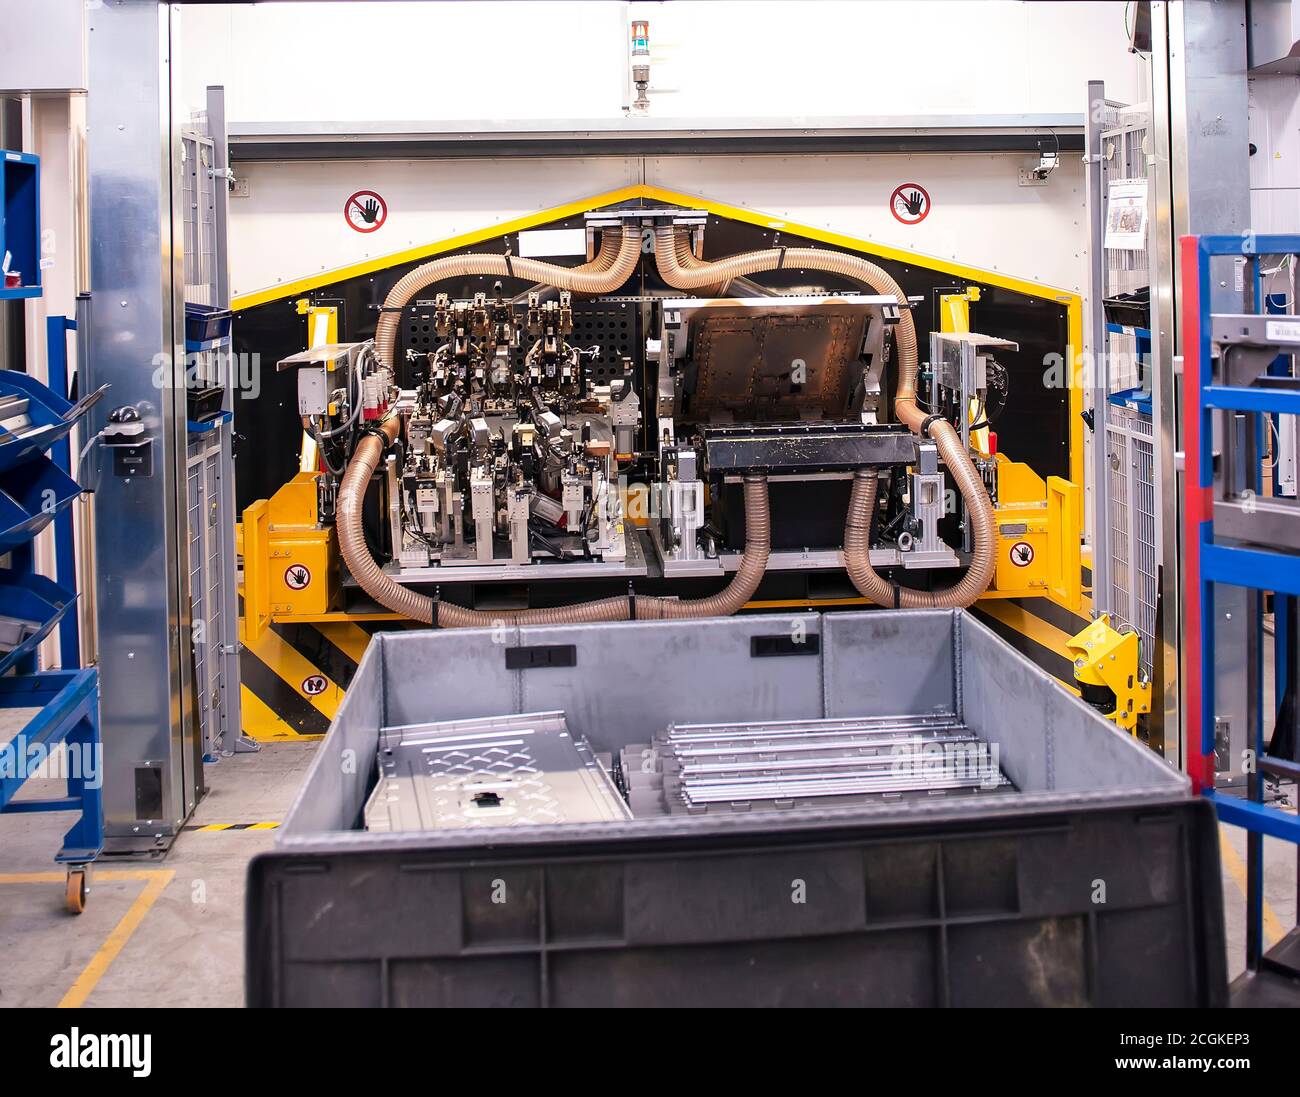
(613, 326)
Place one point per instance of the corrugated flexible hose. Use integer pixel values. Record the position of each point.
(614, 263)
(672, 247)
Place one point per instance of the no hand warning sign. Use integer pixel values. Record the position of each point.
(910, 203)
(365, 211)
(1022, 554)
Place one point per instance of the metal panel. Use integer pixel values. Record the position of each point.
(889, 664)
(700, 671)
(1096, 336)
(137, 320)
(1047, 737)
(43, 47)
(1135, 562)
(1199, 183)
(211, 492)
(213, 596)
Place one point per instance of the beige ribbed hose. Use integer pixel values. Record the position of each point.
(420, 607)
(613, 265)
(672, 246)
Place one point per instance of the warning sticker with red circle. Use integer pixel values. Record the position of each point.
(365, 210)
(1022, 554)
(910, 203)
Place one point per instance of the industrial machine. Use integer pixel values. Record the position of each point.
(753, 432)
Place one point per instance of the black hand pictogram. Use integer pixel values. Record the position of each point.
(914, 202)
(370, 211)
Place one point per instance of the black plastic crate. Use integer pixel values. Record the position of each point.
(1096, 882)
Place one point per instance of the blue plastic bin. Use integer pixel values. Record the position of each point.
(35, 599)
(31, 494)
(205, 324)
(47, 411)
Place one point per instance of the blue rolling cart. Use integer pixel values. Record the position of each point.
(1234, 535)
(36, 491)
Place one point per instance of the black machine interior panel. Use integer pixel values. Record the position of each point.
(1035, 427)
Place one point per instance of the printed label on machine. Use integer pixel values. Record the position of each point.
(314, 685)
(1284, 331)
(297, 576)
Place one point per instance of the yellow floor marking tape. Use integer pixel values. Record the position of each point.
(1273, 931)
(155, 881)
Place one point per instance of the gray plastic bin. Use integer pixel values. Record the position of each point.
(1095, 882)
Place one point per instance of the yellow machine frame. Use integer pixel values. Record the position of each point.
(1105, 657)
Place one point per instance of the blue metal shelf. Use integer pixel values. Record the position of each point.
(1208, 562)
(66, 700)
(69, 714)
(208, 426)
(20, 220)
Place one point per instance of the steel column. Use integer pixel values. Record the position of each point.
(153, 773)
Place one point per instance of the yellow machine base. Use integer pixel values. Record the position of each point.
(295, 674)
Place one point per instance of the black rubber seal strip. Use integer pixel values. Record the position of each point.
(781, 260)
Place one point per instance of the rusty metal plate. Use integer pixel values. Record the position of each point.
(749, 363)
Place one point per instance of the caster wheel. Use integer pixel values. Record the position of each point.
(76, 890)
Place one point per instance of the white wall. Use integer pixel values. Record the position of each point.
(979, 216)
(452, 61)
(291, 225)
(377, 62)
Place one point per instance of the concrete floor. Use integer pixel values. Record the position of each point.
(186, 947)
(170, 932)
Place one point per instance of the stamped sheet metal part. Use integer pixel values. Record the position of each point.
(787, 764)
(492, 772)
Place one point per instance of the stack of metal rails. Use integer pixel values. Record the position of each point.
(698, 768)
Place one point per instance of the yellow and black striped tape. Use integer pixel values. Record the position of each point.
(231, 826)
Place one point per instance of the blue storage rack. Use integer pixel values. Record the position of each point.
(20, 234)
(35, 491)
(1209, 561)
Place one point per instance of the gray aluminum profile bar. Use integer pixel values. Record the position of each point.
(1095, 181)
(268, 141)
